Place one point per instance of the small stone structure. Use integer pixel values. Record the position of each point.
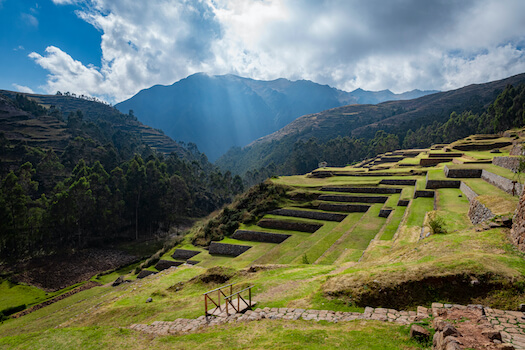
(166, 264)
(227, 249)
(353, 199)
(398, 182)
(184, 254)
(376, 190)
(289, 225)
(347, 208)
(257, 236)
(316, 215)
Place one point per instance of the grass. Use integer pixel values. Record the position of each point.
(264, 334)
(453, 208)
(393, 223)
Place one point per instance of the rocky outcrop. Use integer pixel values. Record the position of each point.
(517, 233)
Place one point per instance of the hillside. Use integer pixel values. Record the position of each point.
(364, 121)
(218, 112)
(95, 111)
(347, 255)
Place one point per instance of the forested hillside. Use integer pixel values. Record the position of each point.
(348, 134)
(69, 182)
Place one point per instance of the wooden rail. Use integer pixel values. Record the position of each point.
(233, 303)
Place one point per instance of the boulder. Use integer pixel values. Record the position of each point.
(419, 333)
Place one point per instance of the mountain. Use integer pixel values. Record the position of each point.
(363, 121)
(218, 112)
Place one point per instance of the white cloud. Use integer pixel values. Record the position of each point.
(29, 19)
(22, 88)
(375, 45)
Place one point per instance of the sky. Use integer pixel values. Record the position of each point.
(112, 49)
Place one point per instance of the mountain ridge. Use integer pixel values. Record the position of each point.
(220, 111)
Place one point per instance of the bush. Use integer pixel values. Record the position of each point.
(305, 259)
(437, 225)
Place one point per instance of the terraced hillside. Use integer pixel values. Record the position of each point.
(403, 229)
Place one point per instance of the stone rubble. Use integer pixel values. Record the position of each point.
(509, 324)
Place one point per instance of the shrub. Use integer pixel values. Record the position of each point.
(437, 225)
(305, 259)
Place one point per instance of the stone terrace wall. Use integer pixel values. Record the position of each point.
(467, 191)
(376, 190)
(403, 202)
(478, 213)
(227, 249)
(502, 182)
(398, 182)
(462, 173)
(316, 215)
(433, 184)
(166, 264)
(384, 213)
(517, 233)
(517, 150)
(423, 193)
(481, 146)
(445, 155)
(256, 236)
(289, 225)
(347, 208)
(354, 199)
(511, 163)
(184, 254)
(433, 161)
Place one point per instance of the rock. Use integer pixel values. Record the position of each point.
(118, 281)
(505, 346)
(419, 333)
(522, 308)
(492, 334)
(495, 150)
(149, 300)
(450, 330)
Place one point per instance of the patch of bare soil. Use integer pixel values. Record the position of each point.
(56, 272)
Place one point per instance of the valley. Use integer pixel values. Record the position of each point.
(394, 232)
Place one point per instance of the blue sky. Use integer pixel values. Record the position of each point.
(114, 48)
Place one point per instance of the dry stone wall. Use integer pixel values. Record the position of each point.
(184, 254)
(376, 190)
(467, 191)
(256, 236)
(347, 208)
(462, 173)
(511, 163)
(316, 215)
(289, 225)
(354, 199)
(478, 213)
(227, 249)
(434, 184)
(509, 186)
(517, 233)
(398, 182)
